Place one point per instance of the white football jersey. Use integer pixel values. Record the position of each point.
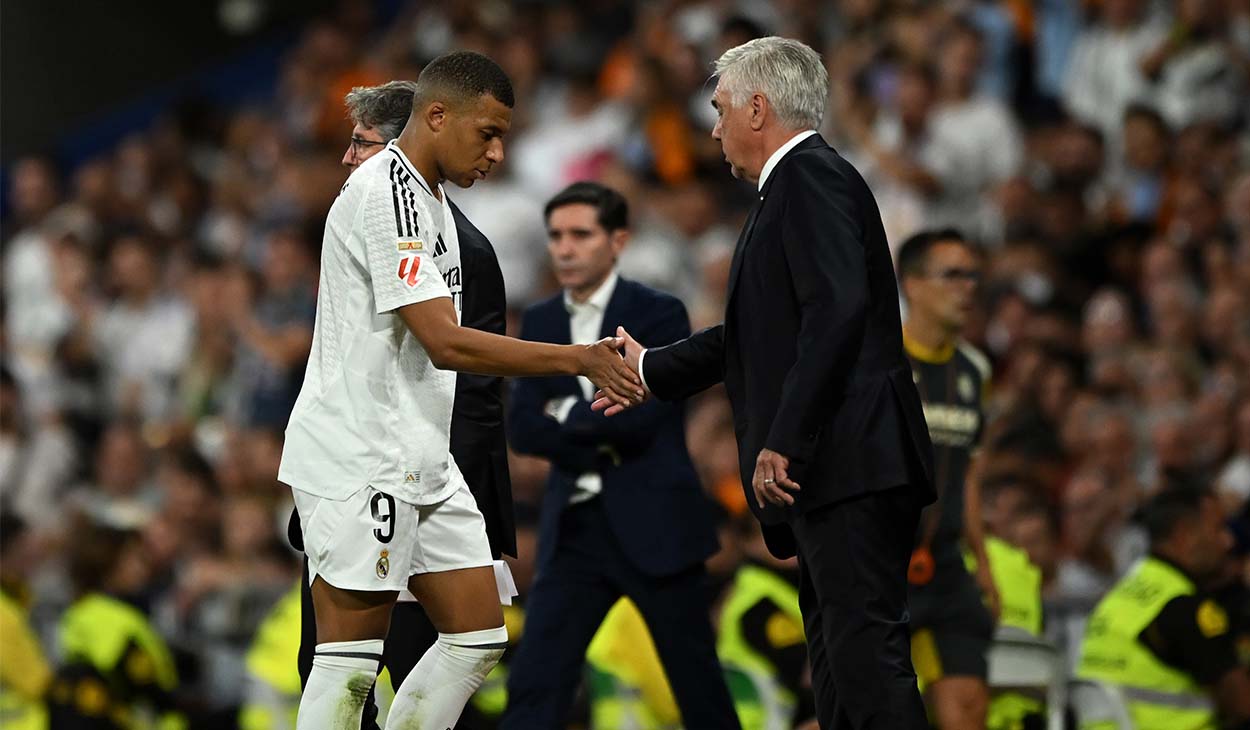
(373, 410)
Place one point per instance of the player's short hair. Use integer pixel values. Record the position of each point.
(610, 206)
(463, 76)
(1180, 503)
(913, 255)
(788, 72)
(385, 107)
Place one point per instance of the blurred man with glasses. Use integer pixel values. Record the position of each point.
(951, 626)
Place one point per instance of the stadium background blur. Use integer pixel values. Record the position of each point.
(160, 263)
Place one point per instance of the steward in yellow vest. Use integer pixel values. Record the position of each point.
(763, 649)
(1159, 637)
(115, 670)
(271, 700)
(24, 672)
(1019, 584)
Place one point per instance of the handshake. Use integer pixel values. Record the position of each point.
(612, 365)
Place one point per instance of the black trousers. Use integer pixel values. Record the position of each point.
(411, 634)
(853, 558)
(573, 592)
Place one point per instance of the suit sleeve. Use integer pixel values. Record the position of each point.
(686, 367)
(821, 242)
(634, 428)
(531, 432)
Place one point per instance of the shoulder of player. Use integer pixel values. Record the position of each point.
(969, 352)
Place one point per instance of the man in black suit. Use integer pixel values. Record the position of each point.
(477, 429)
(831, 432)
(624, 513)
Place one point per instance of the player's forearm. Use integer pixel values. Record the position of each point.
(468, 350)
(974, 525)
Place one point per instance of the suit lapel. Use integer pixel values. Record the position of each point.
(736, 266)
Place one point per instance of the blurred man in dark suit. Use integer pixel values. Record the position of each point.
(831, 433)
(624, 513)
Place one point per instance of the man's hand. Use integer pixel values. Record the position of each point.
(603, 366)
(633, 353)
(770, 478)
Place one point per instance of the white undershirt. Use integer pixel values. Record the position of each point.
(585, 324)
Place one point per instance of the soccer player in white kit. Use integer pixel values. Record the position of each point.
(382, 504)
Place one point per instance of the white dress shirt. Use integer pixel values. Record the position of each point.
(585, 323)
(765, 171)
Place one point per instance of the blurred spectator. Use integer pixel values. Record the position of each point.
(36, 458)
(1196, 73)
(978, 138)
(273, 322)
(143, 338)
(1104, 74)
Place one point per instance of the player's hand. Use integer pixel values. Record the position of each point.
(770, 481)
(603, 366)
(633, 353)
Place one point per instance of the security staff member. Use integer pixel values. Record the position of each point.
(1019, 585)
(116, 672)
(24, 672)
(271, 697)
(1160, 636)
(761, 642)
(951, 627)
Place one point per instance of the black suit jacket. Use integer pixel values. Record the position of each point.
(478, 441)
(657, 509)
(811, 349)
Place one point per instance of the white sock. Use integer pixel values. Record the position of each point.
(436, 690)
(342, 674)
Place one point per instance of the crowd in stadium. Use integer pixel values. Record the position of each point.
(158, 300)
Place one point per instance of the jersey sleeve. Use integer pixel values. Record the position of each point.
(1191, 634)
(398, 243)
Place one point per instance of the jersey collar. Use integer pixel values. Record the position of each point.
(393, 148)
(931, 355)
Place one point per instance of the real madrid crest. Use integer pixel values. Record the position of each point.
(966, 388)
(383, 568)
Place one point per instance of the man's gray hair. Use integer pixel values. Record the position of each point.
(787, 72)
(385, 108)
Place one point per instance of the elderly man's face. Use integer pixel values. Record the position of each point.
(733, 131)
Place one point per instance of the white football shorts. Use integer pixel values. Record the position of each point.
(374, 542)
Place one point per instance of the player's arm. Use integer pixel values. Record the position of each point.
(406, 280)
(452, 347)
(974, 532)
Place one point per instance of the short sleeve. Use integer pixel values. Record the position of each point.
(1191, 634)
(398, 243)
